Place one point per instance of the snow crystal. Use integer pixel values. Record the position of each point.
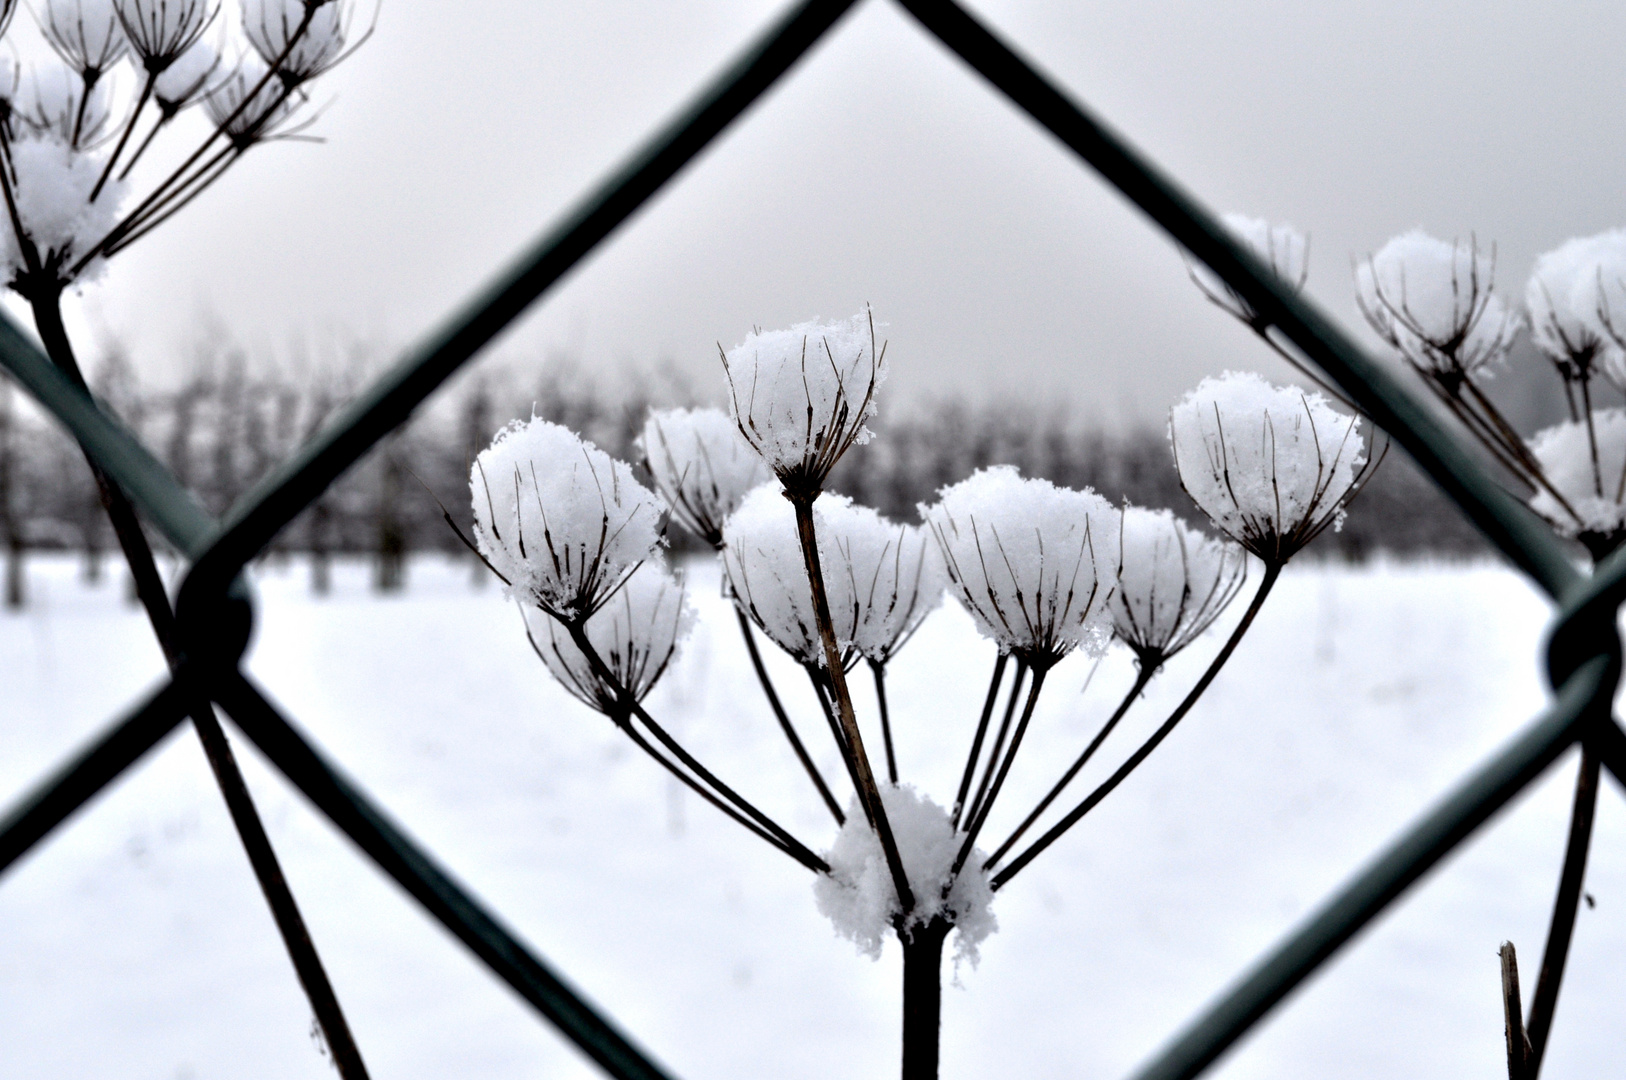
(636, 633)
(1563, 294)
(1033, 563)
(1283, 248)
(1594, 494)
(270, 26)
(700, 465)
(1432, 302)
(1172, 583)
(85, 33)
(858, 895)
(52, 191)
(187, 78)
(801, 396)
(1270, 466)
(559, 518)
(762, 556)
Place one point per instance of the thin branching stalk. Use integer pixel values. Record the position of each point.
(1519, 1051)
(792, 846)
(772, 695)
(868, 794)
(1142, 677)
(1273, 571)
(47, 311)
(129, 129)
(979, 819)
(999, 740)
(1565, 905)
(879, 671)
(976, 741)
(821, 691)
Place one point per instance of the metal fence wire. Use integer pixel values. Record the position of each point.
(215, 611)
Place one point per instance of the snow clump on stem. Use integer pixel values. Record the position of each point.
(1271, 466)
(559, 518)
(1173, 582)
(1594, 489)
(636, 633)
(1283, 248)
(800, 396)
(51, 189)
(701, 467)
(858, 895)
(1033, 563)
(1432, 302)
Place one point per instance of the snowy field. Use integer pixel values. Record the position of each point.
(135, 945)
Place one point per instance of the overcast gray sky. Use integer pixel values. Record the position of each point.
(883, 171)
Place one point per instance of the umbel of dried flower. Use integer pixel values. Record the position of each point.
(1271, 466)
(559, 518)
(1173, 582)
(700, 466)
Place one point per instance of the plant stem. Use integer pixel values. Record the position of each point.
(981, 817)
(1562, 927)
(982, 730)
(999, 740)
(1143, 677)
(784, 720)
(794, 847)
(129, 128)
(868, 794)
(1273, 570)
(1518, 1042)
(922, 997)
(815, 675)
(47, 310)
(879, 671)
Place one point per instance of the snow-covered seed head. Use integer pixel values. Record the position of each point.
(1433, 303)
(563, 521)
(636, 633)
(51, 189)
(188, 79)
(1573, 297)
(1281, 247)
(1173, 582)
(1595, 492)
(1270, 466)
(161, 31)
(267, 108)
(898, 579)
(766, 572)
(271, 26)
(56, 105)
(701, 467)
(87, 34)
(1034, 564)
(800, 396)
(858, 895)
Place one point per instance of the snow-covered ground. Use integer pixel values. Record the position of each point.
(135, 944)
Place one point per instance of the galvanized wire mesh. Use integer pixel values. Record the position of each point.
(215, 612)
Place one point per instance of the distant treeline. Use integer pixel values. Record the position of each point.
(225, 428)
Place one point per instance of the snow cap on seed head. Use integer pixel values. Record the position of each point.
(563, 521)
(762, 558)
(1577, 301)
(1270, 466)
(1034, 564)
(636, 633)
(270, 26)
(1281, 247)
(188, 79)
(858, 895)
(800, 396)
(1173, 582)
(161, 31)
(701, 467)
(1595, 495)
(87, 34)
(1431, 301)
(898, 580)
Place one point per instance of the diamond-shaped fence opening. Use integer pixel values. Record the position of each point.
(214, 613)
